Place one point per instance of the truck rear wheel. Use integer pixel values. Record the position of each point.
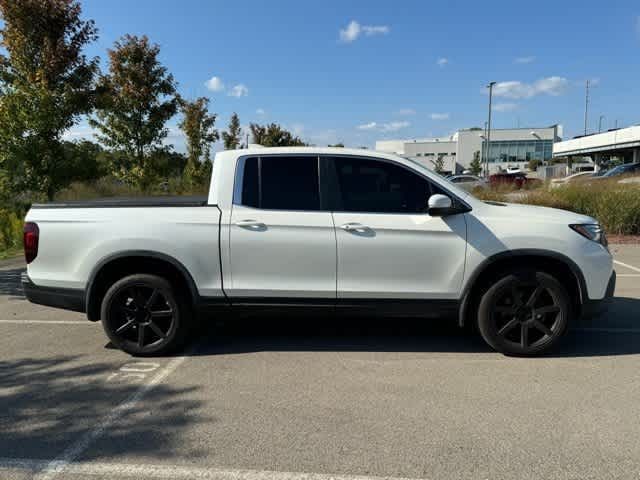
(524, 313)
(143, 315)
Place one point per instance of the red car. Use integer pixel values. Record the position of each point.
(518, 180)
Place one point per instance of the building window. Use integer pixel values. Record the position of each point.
(520, 150)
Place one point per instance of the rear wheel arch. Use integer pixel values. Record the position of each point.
(114, 267)
(556, 264)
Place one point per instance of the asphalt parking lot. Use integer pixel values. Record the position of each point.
(303, 399)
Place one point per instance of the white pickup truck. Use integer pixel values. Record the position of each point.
(323, 229)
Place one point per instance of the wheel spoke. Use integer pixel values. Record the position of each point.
(534, 296)
(125, 327)
(136, 297)
(161, 313)
(517, 296)
(542, 327)
(524, 335)
(152, 298)
(141, 335)
(157, 330)
(548, 309)
(509, 325)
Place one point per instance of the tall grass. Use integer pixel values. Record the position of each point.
(616, 206)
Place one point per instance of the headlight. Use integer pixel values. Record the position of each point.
(592, 231)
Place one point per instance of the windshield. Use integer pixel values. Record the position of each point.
(616, 170)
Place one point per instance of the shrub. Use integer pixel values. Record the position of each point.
(616, 206)
(10, 230)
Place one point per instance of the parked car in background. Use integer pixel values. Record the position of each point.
(628, 168)
(571, 179)
(519, 180)
(468, 182)
(514, 169)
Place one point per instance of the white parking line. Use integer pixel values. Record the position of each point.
(630, 267)
(54, 322)
(607, 330)
(618, 275)
(60, 464)
(111, 470)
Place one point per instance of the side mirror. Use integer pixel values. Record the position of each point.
(440, 205)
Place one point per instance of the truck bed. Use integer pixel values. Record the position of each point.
(129, 202)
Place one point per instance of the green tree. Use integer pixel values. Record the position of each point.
(138, 98)
(232, 137)
(476, 165)
(273, 135)
(198, 127)
(46, 83)
(533, 164)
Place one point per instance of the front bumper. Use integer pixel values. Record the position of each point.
(65, 298)
(593, 308)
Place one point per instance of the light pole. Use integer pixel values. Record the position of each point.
(490, 87)
(600, 123)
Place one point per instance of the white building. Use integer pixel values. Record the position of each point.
(622, 143)
(509, 147)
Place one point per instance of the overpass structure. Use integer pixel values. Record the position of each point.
(623, 143)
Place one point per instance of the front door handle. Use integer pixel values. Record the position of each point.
(250, 224)
(354, 227)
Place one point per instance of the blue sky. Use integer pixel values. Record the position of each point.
(357, 71)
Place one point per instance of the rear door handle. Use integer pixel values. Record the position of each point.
(250, 224)
(354, 227)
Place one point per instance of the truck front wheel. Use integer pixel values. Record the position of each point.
(143, 315)
(524, 313)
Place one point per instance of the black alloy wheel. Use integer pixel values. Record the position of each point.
(142, 315)
(524, 313)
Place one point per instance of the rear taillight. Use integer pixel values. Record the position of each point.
(30, 240)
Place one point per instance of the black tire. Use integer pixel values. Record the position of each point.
(143, 315)
(524, 313)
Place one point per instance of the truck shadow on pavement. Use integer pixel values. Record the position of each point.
(10, 284)
(47, 404)
(597, 337)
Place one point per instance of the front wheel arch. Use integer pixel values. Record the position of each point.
(555, 264)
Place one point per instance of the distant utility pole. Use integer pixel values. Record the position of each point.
(586, 107)
(490, 87)
(600, 123)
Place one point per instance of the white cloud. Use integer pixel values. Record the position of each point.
(239, 90)
(406, 111)
(384, 127)
(370, 30)
(553, 86)
(260, 111)
(367, 126)
(442, 61)
(439, 116)
(504, 107)
(354, 30)
(214, 84)
(524, 60)
(394, 126)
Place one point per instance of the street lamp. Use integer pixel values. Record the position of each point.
(600, 123)
(490, 87)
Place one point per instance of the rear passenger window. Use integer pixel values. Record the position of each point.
(281, 183)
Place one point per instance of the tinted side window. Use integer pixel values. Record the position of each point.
(250, 185)
(281, 183)
(379, 187)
